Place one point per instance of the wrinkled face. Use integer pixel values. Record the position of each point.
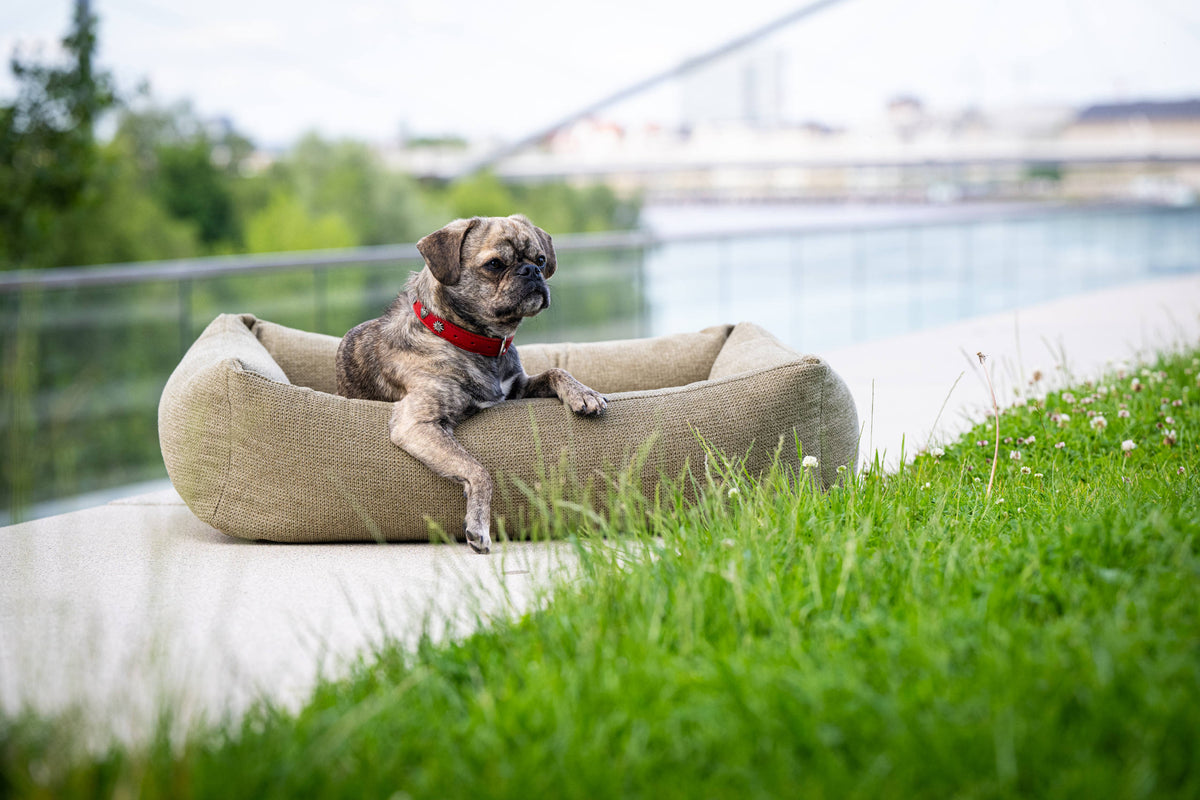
(493, 269)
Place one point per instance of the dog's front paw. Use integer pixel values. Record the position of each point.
(480, 541)
(585, 401)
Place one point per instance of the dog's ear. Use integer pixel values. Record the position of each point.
(547, 246)
(442, 250)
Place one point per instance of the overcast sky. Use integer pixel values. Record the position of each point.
(371, 68)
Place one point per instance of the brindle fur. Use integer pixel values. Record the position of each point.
(482, 274)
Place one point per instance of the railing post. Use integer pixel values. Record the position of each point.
(320, 279)
(185, 315)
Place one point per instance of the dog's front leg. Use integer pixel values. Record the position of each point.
(434, 445)
(559, 383)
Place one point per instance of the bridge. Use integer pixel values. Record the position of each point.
(766, 159)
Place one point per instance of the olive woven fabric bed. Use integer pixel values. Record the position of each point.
(259, 446)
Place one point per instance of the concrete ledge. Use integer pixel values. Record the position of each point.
(119, 609)
(900, 384)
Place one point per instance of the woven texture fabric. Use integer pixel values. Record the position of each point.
(258, 446)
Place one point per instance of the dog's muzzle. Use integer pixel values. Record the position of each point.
(535, 283)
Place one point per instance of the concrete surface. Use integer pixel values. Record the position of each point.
(901, 384)
(120, 608)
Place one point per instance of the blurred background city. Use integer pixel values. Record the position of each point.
(838, 171)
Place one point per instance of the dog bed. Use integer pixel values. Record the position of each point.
(259, 446)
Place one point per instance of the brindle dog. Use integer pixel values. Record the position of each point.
(481, 275)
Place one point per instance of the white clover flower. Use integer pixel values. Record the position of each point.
(999, 500)
(1068, 397)
(733, 491)
(1176, 403)
(809, 462)
(1128, 445)
(728, 542)
(1063, 419)
(1015, 455)
(1135, 385)
(1030, 439)
(841, 470)
(1102, 390)
(937, 452)
(1180, 471)
(1170, 438)
(1169, 420)
(1038, 475)
(1123, 413)
(927, 485)
(1099, 423)
(1025, 470)
(1060, 445)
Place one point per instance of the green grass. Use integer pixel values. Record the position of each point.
(903, 635)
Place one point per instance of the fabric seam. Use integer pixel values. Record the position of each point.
(229, 445)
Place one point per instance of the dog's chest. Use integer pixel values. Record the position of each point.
(500, 391)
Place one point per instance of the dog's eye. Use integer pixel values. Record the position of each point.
(541, 261)
(495, 264)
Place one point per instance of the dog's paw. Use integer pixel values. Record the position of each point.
(481, 542)
(587, 402)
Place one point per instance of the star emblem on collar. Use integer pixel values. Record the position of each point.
(438, 326)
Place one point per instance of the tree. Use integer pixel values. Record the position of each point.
(285, 225)
(189, 167)
(48, 152)
(346, 177)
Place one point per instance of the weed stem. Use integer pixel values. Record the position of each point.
(995, 410)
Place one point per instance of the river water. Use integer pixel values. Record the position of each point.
(824, 276)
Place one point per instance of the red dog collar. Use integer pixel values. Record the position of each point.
(471, 342)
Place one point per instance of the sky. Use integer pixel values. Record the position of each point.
(374, 69)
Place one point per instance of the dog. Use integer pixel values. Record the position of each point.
(443, 350)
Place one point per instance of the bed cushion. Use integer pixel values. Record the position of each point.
(258, 446)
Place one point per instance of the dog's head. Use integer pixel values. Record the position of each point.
(492, 269)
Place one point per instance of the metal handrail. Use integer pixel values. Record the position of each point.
(190, 269)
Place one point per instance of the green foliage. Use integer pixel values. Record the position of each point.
(481, 195)
(48, 156)
(191, 188)
(1044, 172)
(169, 184)
(128, 226)
(285, 225)
(554, 206)
(902, 635)
(347, 178)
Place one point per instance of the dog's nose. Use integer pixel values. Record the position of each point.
(528, 271)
